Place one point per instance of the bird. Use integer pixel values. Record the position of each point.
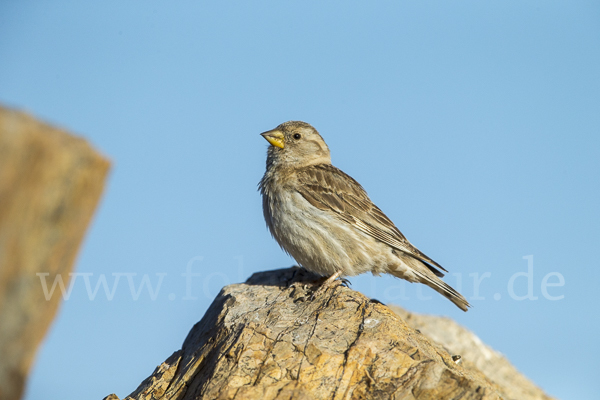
(325, 220)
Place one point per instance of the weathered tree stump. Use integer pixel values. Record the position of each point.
(50, 184)
(266, 339)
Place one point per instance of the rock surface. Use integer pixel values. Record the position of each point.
(266, 339)
(50, 184)
(477, 355)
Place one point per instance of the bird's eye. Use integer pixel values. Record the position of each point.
(297, 136)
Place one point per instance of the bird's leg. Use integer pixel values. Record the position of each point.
(326, 284)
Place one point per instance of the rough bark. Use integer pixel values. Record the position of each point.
(266, 339)
(50, 184)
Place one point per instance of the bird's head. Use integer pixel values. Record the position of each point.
(296, 144)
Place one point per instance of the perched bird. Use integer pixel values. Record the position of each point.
(325, 220)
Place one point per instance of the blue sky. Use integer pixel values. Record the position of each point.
(473, 125)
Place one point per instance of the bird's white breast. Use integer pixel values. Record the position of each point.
(318, 240)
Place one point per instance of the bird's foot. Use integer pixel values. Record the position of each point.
(330, 282)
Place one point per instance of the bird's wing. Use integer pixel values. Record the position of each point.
(330, 189)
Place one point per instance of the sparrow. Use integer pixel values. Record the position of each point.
(326, 221)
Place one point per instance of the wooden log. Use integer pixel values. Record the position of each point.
(50, 185)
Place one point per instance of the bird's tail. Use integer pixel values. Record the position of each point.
(444, 289)
(417, 270)
(425, 276)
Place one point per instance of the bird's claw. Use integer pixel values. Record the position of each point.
(345, 282)
(326, 285)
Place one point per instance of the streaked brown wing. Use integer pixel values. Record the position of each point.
(330, 189)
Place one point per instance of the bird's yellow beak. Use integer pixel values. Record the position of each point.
(274, 137)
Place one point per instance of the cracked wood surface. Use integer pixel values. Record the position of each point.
(265, 339)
